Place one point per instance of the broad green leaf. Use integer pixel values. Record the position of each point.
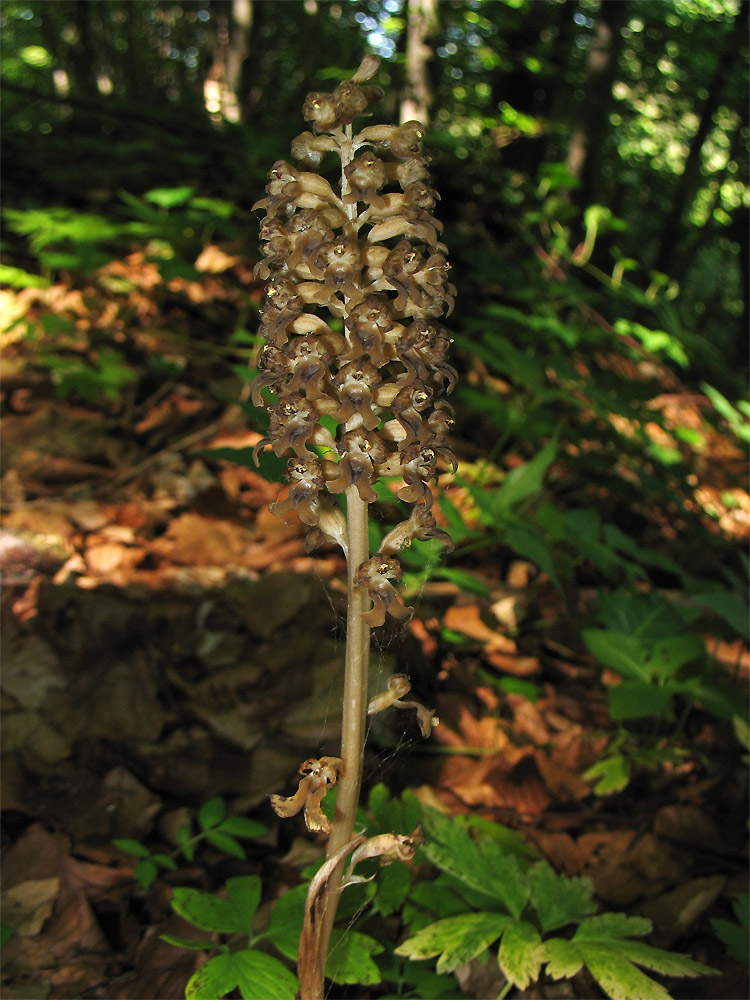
(670, 654)
(241, 826)
(211, 813)
(456, 939)
(226, 843)
(623, 653)
(638, 700)
(525, 480)
(611, 774)
(618, 977)
(350, 958)
(521, 954)
(716, 696)
(131, 847)
(146, 871)
(286, 921)
(559, 899)
(564, 958)
(229, 915)
(730, 606)
(213, 980)
(263, 977)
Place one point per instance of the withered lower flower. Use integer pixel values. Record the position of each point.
(365, 251)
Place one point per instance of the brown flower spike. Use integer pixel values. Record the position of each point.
(365, 251)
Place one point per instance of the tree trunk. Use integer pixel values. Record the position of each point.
(585, 150)
(690, 177)
(422, 23)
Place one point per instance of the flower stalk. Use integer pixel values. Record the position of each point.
(356, 360)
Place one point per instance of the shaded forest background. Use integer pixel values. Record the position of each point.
(588, 637)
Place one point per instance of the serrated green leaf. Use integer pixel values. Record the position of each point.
(611, 774)
(286, 921)
(391, 888)
(146, 871)
(350, 959)
(131, 847)
(503, 876)
(213, 980)
(605, 926)
(618, 977)
(229, 915)
(668, 963)
(192, 943)
(564, 958)
(559, 899)
(456, 939)
(240, 826)
(734, 937)
(226, 843)
(211, 813)
(521, 953)
(263, 977)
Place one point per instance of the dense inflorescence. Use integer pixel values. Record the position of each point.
(356, 282)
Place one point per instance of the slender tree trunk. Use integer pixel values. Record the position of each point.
(690, 177)
(422, 23)
(585, 149)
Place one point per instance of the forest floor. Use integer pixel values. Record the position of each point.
(168, 640)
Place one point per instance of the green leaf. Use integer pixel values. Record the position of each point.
(668, 963)
(213, 980)
(521, 954)
(287, 919)
(456, 939)
(529, 542)
(350, 959)
(391, 888)
(525, 480)
(612, 925)
(169, 197)
(263, 977)
(611, 774)
(226, 843)
(559, 899)
(211, 813)
(618, 977)
(132, 847)
(229, 915)
(193, 943)
(637, 700)
(6, 932)
(670, 654)
(146, 871)
(729, 606)
(184, 840)
(240, 826)
(623, 653)
(564, 958)
(166, 861)
(504, 876)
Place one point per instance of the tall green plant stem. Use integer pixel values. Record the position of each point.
(354, 714)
